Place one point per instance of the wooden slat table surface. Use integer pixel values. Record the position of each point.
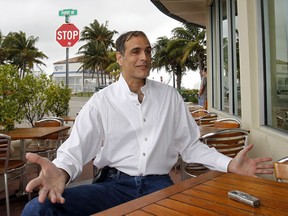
(207, 195)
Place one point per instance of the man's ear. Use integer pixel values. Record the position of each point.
(119, 58)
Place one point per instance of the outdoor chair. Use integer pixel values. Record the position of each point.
(227, 123)
(199, 112)
(207, 120)
(10, 169)
(281, 169)
(227, 141)
(47, 145)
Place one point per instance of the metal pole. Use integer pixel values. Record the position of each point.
(67, 67)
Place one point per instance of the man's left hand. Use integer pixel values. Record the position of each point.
(243, 165)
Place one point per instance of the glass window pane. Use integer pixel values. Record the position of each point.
(276, 55)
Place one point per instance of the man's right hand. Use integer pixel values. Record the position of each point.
(51, 180)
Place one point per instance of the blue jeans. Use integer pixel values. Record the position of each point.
(201, 101)
(115, 189)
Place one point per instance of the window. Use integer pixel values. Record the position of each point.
(275, 43)
(225, 57)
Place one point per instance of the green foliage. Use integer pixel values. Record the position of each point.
(34, 96)
(30, 97)
(59, 97)
(189, 95)
(10, 105)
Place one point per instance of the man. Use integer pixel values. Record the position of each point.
(135, 128)
(203, 90)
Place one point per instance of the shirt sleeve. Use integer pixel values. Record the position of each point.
(83, 143)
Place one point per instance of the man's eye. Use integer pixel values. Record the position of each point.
(135, 51)
(148, 52)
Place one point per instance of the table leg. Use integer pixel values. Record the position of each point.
(23, 180)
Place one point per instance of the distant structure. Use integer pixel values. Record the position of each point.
(79, 80)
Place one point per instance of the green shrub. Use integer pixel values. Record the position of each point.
(30, 97)
(189, 95)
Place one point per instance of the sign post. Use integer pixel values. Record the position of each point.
(67, 35)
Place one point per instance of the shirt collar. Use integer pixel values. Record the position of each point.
(124, 84)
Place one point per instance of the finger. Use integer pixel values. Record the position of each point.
(264, 171)
(265, 166)
(32, 157)
(247, 149)
(56, 197)
(35, 158)
(261, 160)
(33, 184)
(42, 194)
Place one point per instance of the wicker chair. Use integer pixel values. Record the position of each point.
(281, 170)
(227, 141)
(10, 169)
(207, 120)
(227, 123)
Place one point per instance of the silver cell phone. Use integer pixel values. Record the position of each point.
(244, 198)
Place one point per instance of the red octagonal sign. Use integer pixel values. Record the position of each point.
(67, 35)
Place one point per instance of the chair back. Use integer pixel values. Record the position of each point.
(281, 169)
(5, 142)
(227, 141)
(50, 122)
(207, 120)
(195, 107)
(199, 113)
(227, 123)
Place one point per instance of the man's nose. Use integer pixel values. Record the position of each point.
(143, 55)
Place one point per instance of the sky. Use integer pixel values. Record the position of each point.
(40, 18)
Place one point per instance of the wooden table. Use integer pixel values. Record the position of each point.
(207, 195)
(32, 133)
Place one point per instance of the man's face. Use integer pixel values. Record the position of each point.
(136, 61)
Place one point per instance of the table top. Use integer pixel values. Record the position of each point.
(35, 132)
(208, 195)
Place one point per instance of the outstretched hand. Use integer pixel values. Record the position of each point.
(244, 165)
(51, 180)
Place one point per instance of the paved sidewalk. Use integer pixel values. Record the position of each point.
(76, 103)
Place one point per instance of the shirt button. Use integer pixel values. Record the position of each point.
(145, 139)
(144, 120)
(144, 154)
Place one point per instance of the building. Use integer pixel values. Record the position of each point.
(79, 80)
(248, 59)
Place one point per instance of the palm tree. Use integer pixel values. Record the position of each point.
(95, 51)
(94, 56)
(191, 39)
(113, 67)
(2, 50)
(21, 51)
(184, 51)
(161, 57)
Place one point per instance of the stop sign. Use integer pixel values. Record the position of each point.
(67, 35)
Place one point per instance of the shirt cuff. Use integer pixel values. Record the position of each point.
(222, 163)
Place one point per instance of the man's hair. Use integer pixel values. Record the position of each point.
(121, 40)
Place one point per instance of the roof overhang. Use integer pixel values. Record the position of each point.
(186, 11)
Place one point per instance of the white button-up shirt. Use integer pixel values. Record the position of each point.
(136, 138)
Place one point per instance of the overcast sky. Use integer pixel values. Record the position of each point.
(39, 18)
